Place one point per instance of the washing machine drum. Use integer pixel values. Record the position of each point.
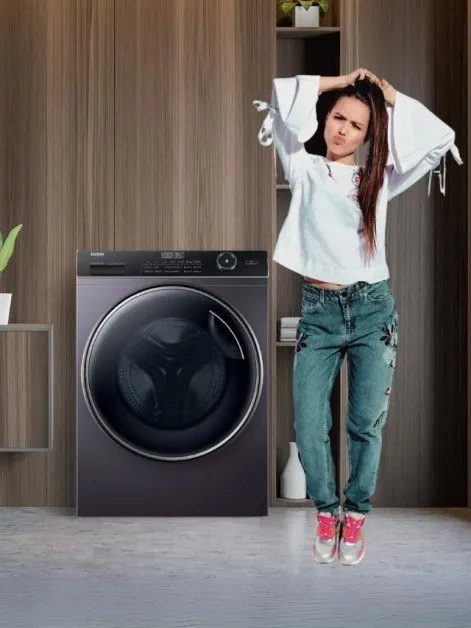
(172, 373)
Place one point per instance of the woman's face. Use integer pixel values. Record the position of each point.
(346, 126)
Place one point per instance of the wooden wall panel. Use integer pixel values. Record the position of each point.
(57, 177)
(80, 186)
(424, 445)
(450, 245)
(189, 171)
(23, 199)
(468, 73)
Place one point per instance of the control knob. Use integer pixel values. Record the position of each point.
(226, 261)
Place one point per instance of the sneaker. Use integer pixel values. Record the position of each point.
(326, 543)
(352, 544)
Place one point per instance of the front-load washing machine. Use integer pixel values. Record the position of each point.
(172, 395)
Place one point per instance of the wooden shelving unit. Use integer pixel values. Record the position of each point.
(298, 51)
(290, 32)
(26, 388)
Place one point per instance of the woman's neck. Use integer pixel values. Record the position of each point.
(348, 160)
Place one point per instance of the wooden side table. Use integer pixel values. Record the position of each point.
(26, 387)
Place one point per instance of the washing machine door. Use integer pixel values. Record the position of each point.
(172, 373)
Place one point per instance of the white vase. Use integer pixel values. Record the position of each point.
(293, 478)
(307, 18)
(5, 302)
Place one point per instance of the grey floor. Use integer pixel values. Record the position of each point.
(60, 571)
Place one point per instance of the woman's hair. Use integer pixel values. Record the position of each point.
(377, 135)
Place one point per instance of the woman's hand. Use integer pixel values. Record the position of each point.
(362, 73)
(388, 90)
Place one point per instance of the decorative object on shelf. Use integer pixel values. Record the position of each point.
(306, 12)
(293, 478)
(288, 327)
(6, 251)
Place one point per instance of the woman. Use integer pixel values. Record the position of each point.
(334, 237)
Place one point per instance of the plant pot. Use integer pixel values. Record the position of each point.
(5, 303)
(309, 18)
(293, 478)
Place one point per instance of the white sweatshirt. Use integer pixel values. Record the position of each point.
(322, 236)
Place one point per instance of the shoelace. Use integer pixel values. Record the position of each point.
(326, 526)
(351, 529)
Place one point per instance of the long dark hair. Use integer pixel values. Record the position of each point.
(377, 135)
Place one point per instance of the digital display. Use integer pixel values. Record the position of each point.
(107, 269)
(169, 255)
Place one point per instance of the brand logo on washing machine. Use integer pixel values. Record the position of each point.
(97, 253)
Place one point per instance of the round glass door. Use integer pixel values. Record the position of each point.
(172, 373)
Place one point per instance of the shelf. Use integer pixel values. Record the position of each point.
(292, 32)
(286, 343)
(282, 186)
(26, 387)
(293, 503)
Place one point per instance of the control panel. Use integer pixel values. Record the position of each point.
(168, 263)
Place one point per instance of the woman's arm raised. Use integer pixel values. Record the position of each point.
(329, 83)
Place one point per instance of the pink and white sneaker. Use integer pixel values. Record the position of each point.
(352, 542)
(326, 542)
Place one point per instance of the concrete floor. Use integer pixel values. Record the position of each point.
(60, 571)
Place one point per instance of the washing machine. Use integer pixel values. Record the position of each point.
(172, 387)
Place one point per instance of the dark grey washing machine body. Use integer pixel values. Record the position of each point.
(167, 432)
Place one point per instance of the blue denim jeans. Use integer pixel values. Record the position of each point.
(359, 321)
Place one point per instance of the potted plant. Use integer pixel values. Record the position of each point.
(6, 251)
(306, 12)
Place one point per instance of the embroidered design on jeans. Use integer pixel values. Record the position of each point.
(381, 420)
(301, 338)
(389, 338)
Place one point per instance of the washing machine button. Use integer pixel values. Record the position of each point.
(226, 261)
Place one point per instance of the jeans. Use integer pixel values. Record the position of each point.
(360, 321)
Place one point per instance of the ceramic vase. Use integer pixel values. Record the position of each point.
(293, 478)
(5, 303)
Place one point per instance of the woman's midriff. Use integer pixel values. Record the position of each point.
(323, 284)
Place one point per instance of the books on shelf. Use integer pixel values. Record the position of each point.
(287, 328)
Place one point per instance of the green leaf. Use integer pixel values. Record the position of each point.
(286, 7)
(8, 247)
(323, 5)
(306, 4)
